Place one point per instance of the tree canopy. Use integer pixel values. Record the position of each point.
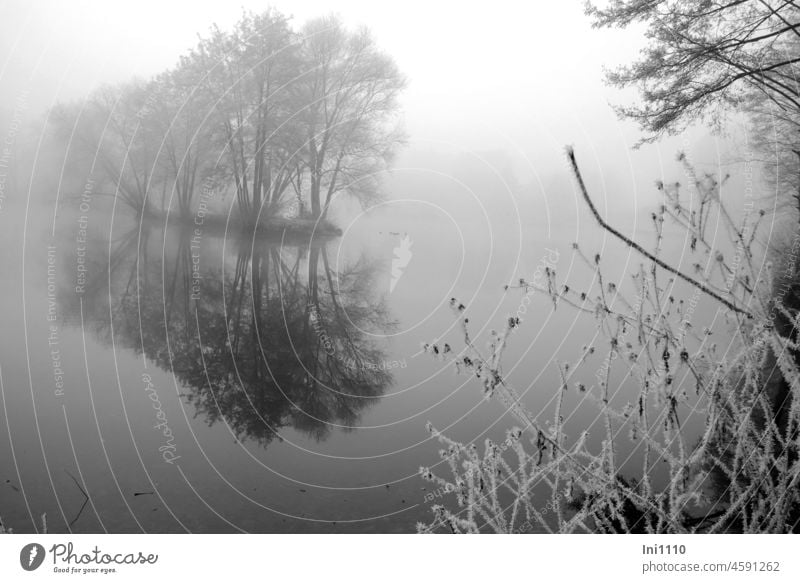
(704, 56)
(266, 113)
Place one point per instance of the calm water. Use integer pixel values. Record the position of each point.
(192, 381)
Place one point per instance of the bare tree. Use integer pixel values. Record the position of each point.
(247, 75)
(350, 99)
(110, 129)
(705, 55)
(180, 125)
(260, 108)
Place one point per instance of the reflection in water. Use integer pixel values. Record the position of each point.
(261, 334)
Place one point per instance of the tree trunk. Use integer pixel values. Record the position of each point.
(316, 208)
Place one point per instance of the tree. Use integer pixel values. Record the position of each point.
(705, 54)
(258, 108)
(110, 130)
(247, 75)
(179, 124)
(350, 98)
(774, 142)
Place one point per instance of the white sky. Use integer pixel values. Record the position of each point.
(462, 58)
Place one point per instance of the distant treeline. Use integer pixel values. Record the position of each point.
(279, 118)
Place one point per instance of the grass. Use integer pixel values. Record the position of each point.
(739, 473)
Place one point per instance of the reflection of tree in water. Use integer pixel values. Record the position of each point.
(278, 338)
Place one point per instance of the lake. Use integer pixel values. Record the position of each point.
(167, 378)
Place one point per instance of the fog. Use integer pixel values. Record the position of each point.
(165, 190)
(526, 80)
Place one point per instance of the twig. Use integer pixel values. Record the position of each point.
(698, 284)
(85, 501)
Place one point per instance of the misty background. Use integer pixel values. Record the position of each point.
(495, 93)
(507, 88)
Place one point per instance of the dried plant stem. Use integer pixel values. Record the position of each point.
(632, 244)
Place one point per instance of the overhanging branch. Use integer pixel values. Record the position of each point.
(632, 244)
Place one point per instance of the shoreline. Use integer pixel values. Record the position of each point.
(216, 225)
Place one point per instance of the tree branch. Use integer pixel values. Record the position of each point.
(698, 284)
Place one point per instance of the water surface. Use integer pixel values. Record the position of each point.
(163, 378)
